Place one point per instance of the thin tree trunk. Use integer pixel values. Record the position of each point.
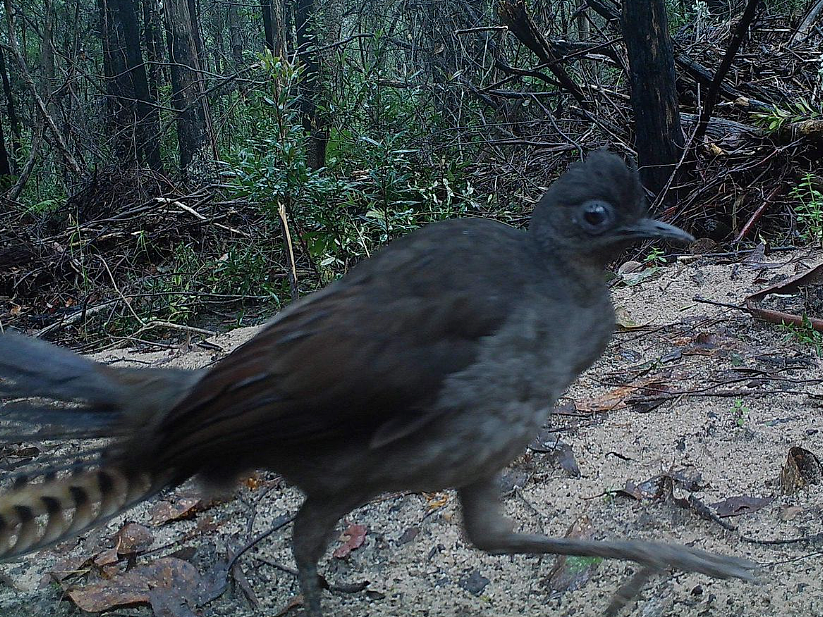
(194, 12)
(658, 133)
(59, 141)
(5, 166)
(316, 133)
(268, 28)
(236, 37)
(278, 26)
(133, 119)
(185, 80)
(14, 122)
(47, 56)
(154, 50)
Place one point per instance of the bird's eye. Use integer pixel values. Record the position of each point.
(596, 216)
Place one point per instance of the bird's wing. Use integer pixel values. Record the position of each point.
(364, 358)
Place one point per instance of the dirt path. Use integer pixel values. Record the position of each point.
(757, 400)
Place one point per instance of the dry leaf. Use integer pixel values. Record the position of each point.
(625, 321)
(133, 538)
(354, 536)
(571, 572)
(742, 504)
(617, 398)
(801, 469)
(154, 583)
(166, 512)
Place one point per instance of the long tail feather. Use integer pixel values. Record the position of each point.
(53, 394)
(38, 514)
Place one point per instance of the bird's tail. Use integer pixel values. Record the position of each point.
(41, 511)
(48, 395)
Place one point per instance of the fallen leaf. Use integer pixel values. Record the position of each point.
(436, 500)
(741, 504)
(625, 321)
(473, 582)
(167, 582)
(409, 535)
(106, 558)
(790, 513)
(133, 538)
(618, 398)
(354, 537)
(572, 572)
(801, 469)
(66, 567)
(166, 512)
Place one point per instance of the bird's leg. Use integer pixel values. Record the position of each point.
(490, 531)
(312, 527)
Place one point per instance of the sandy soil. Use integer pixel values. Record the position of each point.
(739, 396)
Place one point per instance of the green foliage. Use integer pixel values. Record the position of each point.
(577, 565)
(177, 292)
(805, 334)
(774, 120)
(681, 14)
(371, 190)
(809, 209)
(655, 258)
(740, 412)
(47, 206)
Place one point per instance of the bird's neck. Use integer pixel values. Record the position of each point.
(587, 271)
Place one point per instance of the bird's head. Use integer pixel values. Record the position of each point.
(595, 210)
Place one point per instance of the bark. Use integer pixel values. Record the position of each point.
(48, 85)
(236, 37)
(268, 26)
(274, 24)
(134, 121)
(14, 122)
(316, 132)
(185, 80)
(154, 49)
(194, 11)
(278, 24)
(658, 133)
(5, 165)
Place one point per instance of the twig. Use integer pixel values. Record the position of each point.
(725, 65)
(73, 318)
(174, 326)
(280, 522)
(284, 224)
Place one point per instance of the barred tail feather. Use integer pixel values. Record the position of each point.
(36, 514)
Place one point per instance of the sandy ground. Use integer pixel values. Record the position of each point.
(740, 395)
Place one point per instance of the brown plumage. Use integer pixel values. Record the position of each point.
(429, 366)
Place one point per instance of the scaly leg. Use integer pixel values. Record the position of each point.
(312, 527)
(490, 531)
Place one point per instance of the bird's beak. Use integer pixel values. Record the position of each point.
(650, 229)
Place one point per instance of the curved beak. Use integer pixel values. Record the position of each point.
(651, 229)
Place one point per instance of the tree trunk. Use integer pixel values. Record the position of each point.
(236, 37)
(185, 81)
(5, 166)
(194, 12)
(154, 50)
(48, 84)
(278, 26)
(316, 132)
(268, 26)
(274, 24)
(658, 133)
(132, 117)
(14, 122)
